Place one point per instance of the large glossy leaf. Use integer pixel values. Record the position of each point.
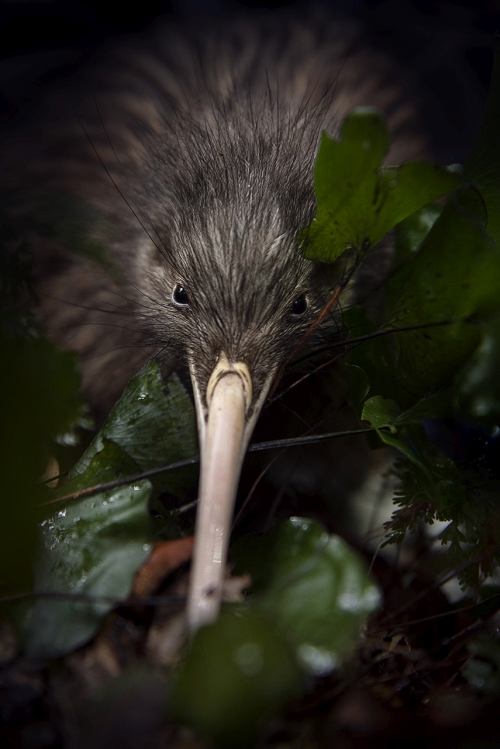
(315, 587)
(320, 593)
(453, 280)
(236, 673)
(359, 201)
(154, 424)
(94, 546)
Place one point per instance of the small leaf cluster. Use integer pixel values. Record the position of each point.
(433, 352)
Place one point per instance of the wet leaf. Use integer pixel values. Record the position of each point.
(95, 545)
(310, 596)
(320, 593)
(154, 424)
(314, 587)
(92, 547)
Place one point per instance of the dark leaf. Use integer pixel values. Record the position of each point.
(313, 586)
(92, 547)
(236, 673)
(358, 199)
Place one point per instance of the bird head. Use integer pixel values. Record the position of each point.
(235, 296)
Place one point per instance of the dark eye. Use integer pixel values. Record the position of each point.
(300, 305)
(180, 296)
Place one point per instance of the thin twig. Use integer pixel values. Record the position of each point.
(349, 345)
(313, 438)
(307, 375)
(310, 330)
(257, 447)
(430, 588)
(438, 616)
(89, 490)
(152, 601)
(254, 486)
(184, 508)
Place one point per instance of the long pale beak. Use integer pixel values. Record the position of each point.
(225, 426)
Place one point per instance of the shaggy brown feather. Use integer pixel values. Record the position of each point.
(197, 144)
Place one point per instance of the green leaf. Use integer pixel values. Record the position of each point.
(410, 233)
(320, 594)
(380, 412)
(478, 388)
(236, 673)
(93, 547)
(450, 282)
(154, 424)
(314, 587)
(358, 200)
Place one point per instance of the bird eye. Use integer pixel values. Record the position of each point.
(300, 305)
(180, 296)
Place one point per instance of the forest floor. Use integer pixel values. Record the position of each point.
(426, 674)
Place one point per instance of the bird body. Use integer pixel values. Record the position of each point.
(197, 146)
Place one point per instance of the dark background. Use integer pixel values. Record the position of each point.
(447, 44)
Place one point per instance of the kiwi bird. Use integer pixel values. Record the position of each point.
(198, 145)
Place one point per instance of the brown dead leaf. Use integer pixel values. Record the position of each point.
(165, 558)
